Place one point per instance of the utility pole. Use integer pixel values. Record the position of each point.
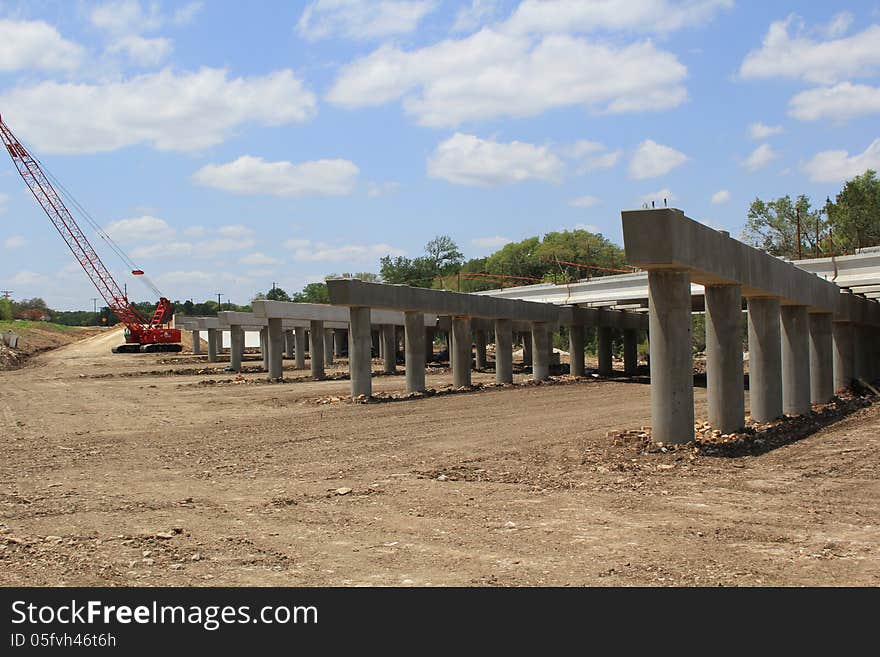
(798, 215)
(219, 307)
(125, 290)
(95, 309)
(6, 293)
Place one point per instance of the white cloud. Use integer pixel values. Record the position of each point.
(361, 19)
(14, 242)
(307, 251)
(125, 17)
(839, 25)
(492, 74)
(468, 18)
(804, 58)
(584, 202)
(658, 197)
(163, 250)
(235, 230)
(36, 45)
(591, 155)
(720, 197)
(760, 157)
(170, 110)
(140, 229)
(838, 165)
(590, 228)
(222, 245)
(468, 160)
(258, 259)
(185, 15)
(490, 243)
(661, 16)
(375, 190)
(652, 160)
(838, 103)
(28, 278)
(195, 231)
(253, 175)
(760, 130)
(142, 51)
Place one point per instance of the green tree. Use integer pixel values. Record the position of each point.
(418, 272)
(277, 294)
(312, 293)
(773, 226)
(855, 213)
(443, 255)
(5, 309)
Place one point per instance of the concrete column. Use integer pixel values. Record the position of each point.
(299, 347)
(503, 351)
(236, 350)
(576, 350)
(795, 322)
(631, 351)
(264, 347)
(212, 345)
(328, 347)
(276, 348)
(540, 351)
(389, 348)
(414, 351)
(375, 343)
(289, 344)
(724, 358)
(316, 348)
(360, 352)
(461, 352)
(672, 361)
(430, 331)
(765, 359)
(604, 346)
(842, 336)
(860, 352)
(339, 338)
(821, 359)
(527, 348)
(197, 343)
(480, 340)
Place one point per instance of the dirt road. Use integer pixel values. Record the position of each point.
(132, 469)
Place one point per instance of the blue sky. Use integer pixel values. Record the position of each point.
(227, 145)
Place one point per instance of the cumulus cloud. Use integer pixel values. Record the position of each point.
(14, 242)
(170, 110)
(308, 251)
(259, 259)
(479, 12)
(838, 103)
(468, 160)
(126, 17)
(140, 229)
(760, 130)
(253, 175)
(720, 197)
(760, 157)
(490, 243)
(838, 165)
(493, 74)
(650, 16)
(658, 197)
(584, 202)
(802, 57)
(361, 19)
(142, 51)
(36, 45)
(652, 160)
(591, 156)
(27, 278)
(187, 13)
(163, 250)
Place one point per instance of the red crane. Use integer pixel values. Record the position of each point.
(140, 334)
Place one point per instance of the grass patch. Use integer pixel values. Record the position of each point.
(26, 326)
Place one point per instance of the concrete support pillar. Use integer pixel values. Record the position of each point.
(576, 350)
(360, 352)
(339, 339)
(328, 347)
(724, 358)
(316, 348)
(631, 351)
(765, 359)
(389, 348)
(219, 341)
(821, 359)
(604, 346)
(540, 351)
(289, 344)
(860, 352)
(430, 331)
(197, 343)
(795, 322)
(527, 348)
(414, 351)
(375, 343)
(264, 347)
(842, 337)
(461, 352)
(299, 347)
(276, 348)
(672, 361)
(235, 347)
(480, 341)
(503, 351)
(212, 345)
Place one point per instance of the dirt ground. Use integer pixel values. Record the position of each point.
(37, 337)
(132, 470)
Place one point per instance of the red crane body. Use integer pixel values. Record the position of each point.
(140, 334)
